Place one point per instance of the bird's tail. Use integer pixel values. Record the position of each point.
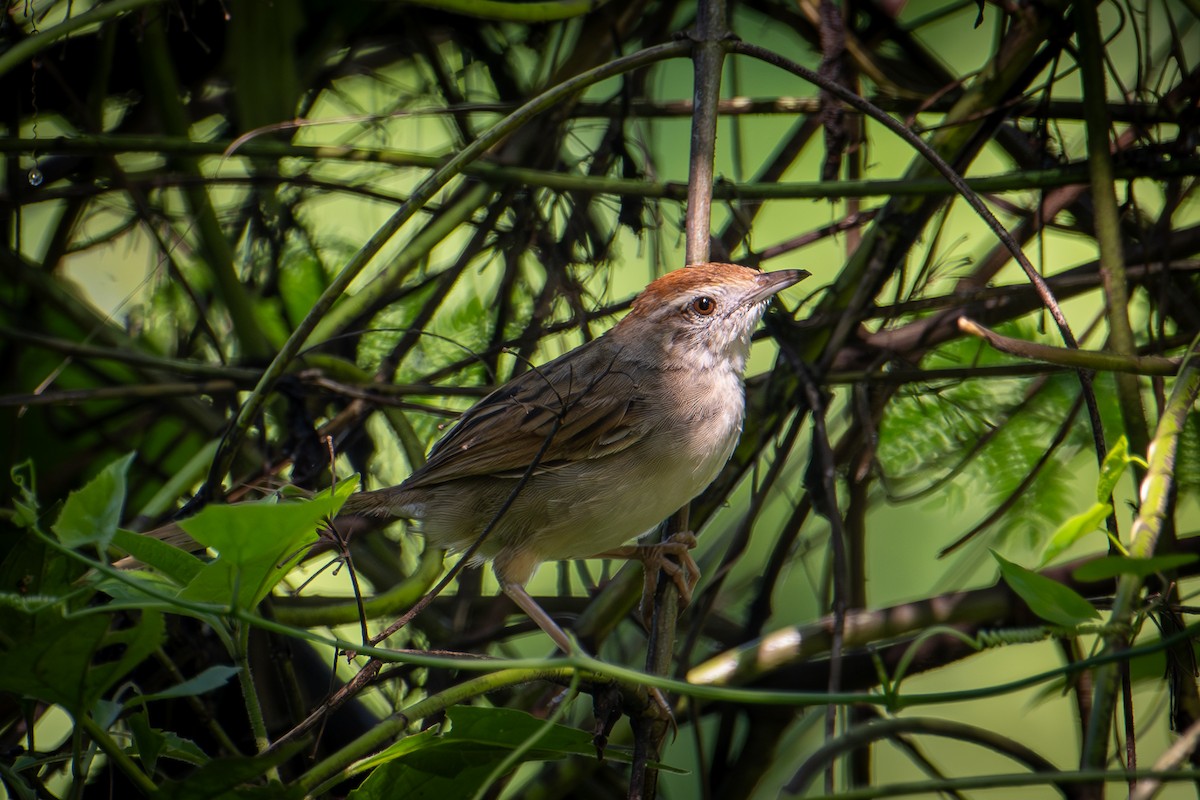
(392, 502)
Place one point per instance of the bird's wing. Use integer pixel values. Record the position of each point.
(578, 406)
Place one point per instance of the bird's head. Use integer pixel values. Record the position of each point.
(702, 316)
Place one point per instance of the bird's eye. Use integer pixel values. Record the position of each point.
(703, 305)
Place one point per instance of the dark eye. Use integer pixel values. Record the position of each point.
(703, 305)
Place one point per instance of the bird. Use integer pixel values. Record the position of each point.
(576, 457)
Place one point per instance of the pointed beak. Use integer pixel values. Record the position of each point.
(771, 282)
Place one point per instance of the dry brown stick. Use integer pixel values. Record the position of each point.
(1097, 360)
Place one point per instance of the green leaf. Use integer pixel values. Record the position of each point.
(301, 282)
(434, 771)
(91, 514)
(1111, 566)
(244, 532)
(1075, 529)
(30, 567)
(1187, 457)
(148, 740)
(128, 591)
(220, 583)
(179, 565)
(206, 681)
(455, 763)
(1114, 466)
(151, 744)
(53, 666)
(134, 644)
(225, 778)
(34, 571)
(1047, 598)
(180, 749)
(56, 664)
(257, 544)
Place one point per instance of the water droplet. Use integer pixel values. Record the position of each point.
(36, 177)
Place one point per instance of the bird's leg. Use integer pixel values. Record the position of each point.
(538, 614)
(685, 573)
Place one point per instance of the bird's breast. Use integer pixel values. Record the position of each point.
(708, 406)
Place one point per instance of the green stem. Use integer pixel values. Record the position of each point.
(116, 754)
(179, 482)
(876, 730)
(1156, 499)
(78, 771)
(258, 725)
(344, 611)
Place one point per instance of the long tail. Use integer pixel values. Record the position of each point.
(390, 502)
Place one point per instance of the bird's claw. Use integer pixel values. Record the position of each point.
(683, 571)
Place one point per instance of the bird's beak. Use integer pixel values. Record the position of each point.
(771, 282)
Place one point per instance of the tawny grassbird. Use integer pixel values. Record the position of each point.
(580, 455)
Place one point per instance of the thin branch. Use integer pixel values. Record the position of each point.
(1094, 360)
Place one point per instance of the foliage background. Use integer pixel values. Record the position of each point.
(184, 180)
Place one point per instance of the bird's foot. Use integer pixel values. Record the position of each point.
(673, 558)
(670, 556)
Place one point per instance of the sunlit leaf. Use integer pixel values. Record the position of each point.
(1114, 466)
(257, 544)
(1075, 529)
(91, 514)
(301, 281)
(1049, 599)
(1187, 459)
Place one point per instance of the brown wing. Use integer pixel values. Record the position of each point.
(578, 406)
